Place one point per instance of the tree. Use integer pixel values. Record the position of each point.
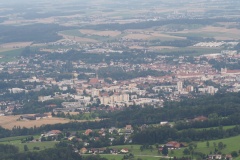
(165, 150)
(214, 144)
(220, 145)
(207, 144)
(186, 151)
(191, 149)
(234, 154)
(151, 148)
(26, 148)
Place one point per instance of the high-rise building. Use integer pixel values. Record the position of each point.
(179, 86)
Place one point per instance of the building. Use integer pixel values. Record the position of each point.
(116, 98)
(179, 86)
(95, 93)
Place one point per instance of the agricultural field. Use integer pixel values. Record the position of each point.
(219, 33)
(9, 122)
(9, 54)
(100, 33)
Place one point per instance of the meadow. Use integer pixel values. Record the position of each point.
(16, 141)
(232, 144)
(8, 55)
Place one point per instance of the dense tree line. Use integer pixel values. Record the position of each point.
(30, 33)
(8, 149)
(164, 134)
(60, 152)
(211, 122)
(132, 57)
(222, 104)
(178, 43)
(149, 24)
(222, 64)
(118, 73)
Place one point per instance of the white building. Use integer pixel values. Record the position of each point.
(179, 85)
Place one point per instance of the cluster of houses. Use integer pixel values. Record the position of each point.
(111, 150)
(219, 156)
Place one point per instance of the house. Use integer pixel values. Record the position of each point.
(83, 150)
(200, 118)
(215, 156)
(41, 116)
(93, 151)
(143, 127)
(71, 138)
(114, 151)
(112, 129)
(128, 127)
(124, 150)
(86, 144)
(101, 150)
(53, 133)
(164, 123)
(27, 117)
(228, 157)
(93, 81)
(174, 145)
(88, 131)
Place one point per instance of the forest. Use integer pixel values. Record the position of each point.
(221, 109)
(36, 33)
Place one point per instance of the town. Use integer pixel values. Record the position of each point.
(119, 80)
(82, 85)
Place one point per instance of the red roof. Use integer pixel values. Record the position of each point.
(88, 131)
(200, 118)
(93, 81)
(55, 132)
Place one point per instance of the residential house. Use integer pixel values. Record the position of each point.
(174, 145)
(124, 150)
(27, 117)
(83, 150)
(228, 157)
(200, 118)
(53, 133)
(215, 156)
(88, 131)
(41, 116)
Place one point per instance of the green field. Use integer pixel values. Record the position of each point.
(16, 141)
(8, 139)
(10, 55)
(232, 144)
(224, 127)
